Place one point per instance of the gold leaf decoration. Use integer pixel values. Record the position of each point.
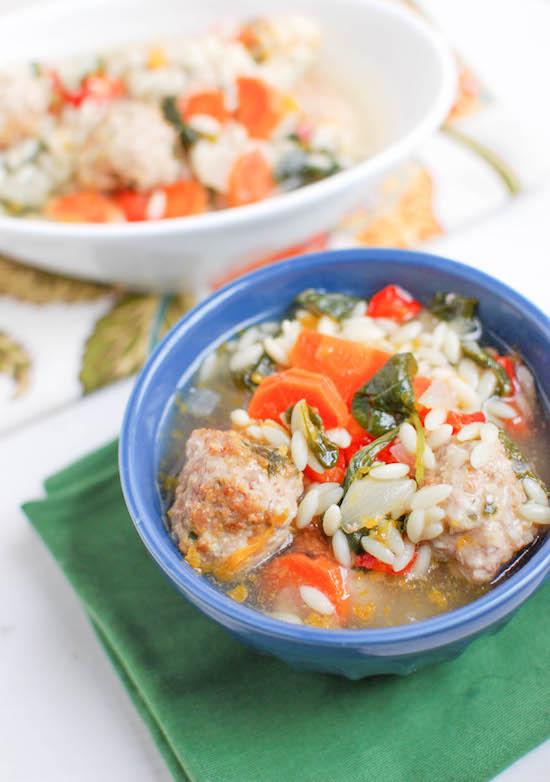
(119, 343)
(409, 221)
(469, 95)
(39, 287)
(15, 362)
(124, 336)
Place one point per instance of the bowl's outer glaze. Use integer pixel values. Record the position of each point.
(266, 295)
(383, 51)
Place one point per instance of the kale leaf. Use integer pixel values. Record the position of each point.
(298, 165)
(354, 539)
(186, 134)
(452, 306)
(461, 311)
(484, 359)
(335, 305)
(252, 376)
(387, 399)
(520, 465)
(325, 451)
(363, 460)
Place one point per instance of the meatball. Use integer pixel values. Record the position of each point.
(24, 101)
(484, 529)
(235, 501)
(131, 146)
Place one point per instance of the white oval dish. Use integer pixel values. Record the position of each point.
(409, 74)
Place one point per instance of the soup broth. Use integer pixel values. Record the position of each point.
(422, 503)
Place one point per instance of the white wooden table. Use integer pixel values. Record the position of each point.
(64, 716)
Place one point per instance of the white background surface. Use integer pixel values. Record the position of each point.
(64, 716)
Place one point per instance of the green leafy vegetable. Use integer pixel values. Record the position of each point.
(252, 376)
(354, 539)
(484, 359)
(365, 457)
(462, 310)
(452, 306)
(388, 398)
(295, 138)
(401, 523)
(420, 446)
(122, 338)
(325, 451)
(306, 168)
(386, 401)
(520, 465)
(187, 135)
(336, 305)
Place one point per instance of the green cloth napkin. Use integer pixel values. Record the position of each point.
(218, 712)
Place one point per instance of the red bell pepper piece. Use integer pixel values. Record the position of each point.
(332, 475)
(509, 365)
(458, 420)
(385, 455)
(100, 87)
(395, 303)
(369, 562)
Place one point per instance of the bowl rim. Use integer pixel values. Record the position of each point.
(466, 620)
(275, 206)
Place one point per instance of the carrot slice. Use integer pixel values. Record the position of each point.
(321, 572)
(256, 107)
(186, 197)
(132, 203)
(102, 88)
(312, 542)
(246, 36)
(420, 385)
(250, 180)
(348, 364)
(276, 393)
(86, 206)
(210, 102)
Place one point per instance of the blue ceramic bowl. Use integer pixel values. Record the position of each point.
(265, 295)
